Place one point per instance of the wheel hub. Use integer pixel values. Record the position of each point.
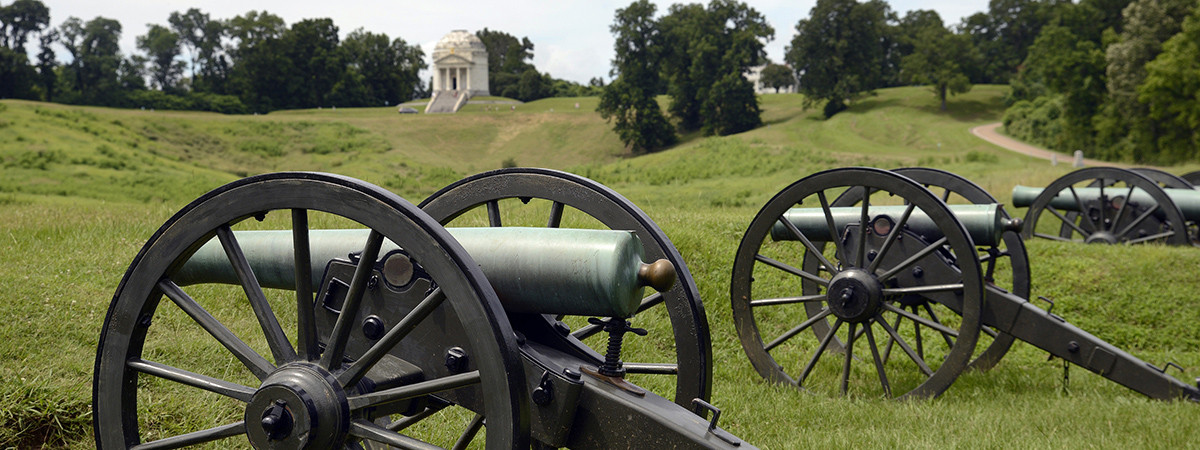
(298, 406)
(855, 295)
(1101, 237)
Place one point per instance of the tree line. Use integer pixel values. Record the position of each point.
(1114, 78)
(253, 62)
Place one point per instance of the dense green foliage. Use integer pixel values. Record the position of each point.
(839, 52)
(706, 50)
(628, 102)
(938, 59)
(1119, 92)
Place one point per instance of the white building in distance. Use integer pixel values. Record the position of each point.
(460, 63)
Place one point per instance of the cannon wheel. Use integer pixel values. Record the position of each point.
(1125, 229)
(765, 276)
(323, 402)
(1165, 179)
(692, 367)
(1192, 177)
(1013, 249)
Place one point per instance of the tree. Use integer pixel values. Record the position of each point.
(97, 60)
(16, 75)
(777, 76)
(508, 59)
(317, 62)
(1003, 35)
(937, 60)
(260, 70)
(731, 106)
(389, 70)
(839, 51)
(162, 48)
(703, 45)
(628, 102)
(1073, 68)
(20, 19)
(1171, 92)
(47, 77)
(190, 27)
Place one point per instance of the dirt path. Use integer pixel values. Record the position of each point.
(988, 133)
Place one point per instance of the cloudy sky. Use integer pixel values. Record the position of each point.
(571, 37)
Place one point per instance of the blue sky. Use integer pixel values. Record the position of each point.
(571, 37)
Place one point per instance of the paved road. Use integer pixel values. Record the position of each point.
(988, 133)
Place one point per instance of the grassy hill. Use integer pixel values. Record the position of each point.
(82, 189)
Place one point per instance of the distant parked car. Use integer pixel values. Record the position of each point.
(406, 110)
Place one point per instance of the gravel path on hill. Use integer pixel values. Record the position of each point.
(988, 133)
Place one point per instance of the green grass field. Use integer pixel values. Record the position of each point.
(83, 188)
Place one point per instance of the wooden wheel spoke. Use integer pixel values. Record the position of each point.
(306, 334)
(408, 421)
(788, 300)
(281, 347)
(891, 238)
(556, 214)
(812, 363)
(934, 317)
(468, 434)
(196, 437)
(839, 252)
(1140, 218)
(883, 381)
(1068, 222)
(904, 346)
(792, 270)
(808, 244)
(921, 320)
(1082, 210)
(798, 328)
(1052, 237)
(924, 289)
(913, 259)
(413, 390)
(340, 337)
(217, 386)
(849, 357)
(1151, 237)
(493, 212)
(251, 359)
(393, 337)
(368, 430)
(1121, 210)
(863, 229)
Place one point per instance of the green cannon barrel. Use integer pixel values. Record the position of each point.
(533, 270)
(1188, 200)
(983, 222)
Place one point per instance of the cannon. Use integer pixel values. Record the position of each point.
(309, 310)
(876, 307)
(1110, 205)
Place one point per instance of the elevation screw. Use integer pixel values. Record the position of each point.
(616, 329)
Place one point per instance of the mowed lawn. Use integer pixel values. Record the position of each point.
(83, 188)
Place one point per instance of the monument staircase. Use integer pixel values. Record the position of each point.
(447, 101)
